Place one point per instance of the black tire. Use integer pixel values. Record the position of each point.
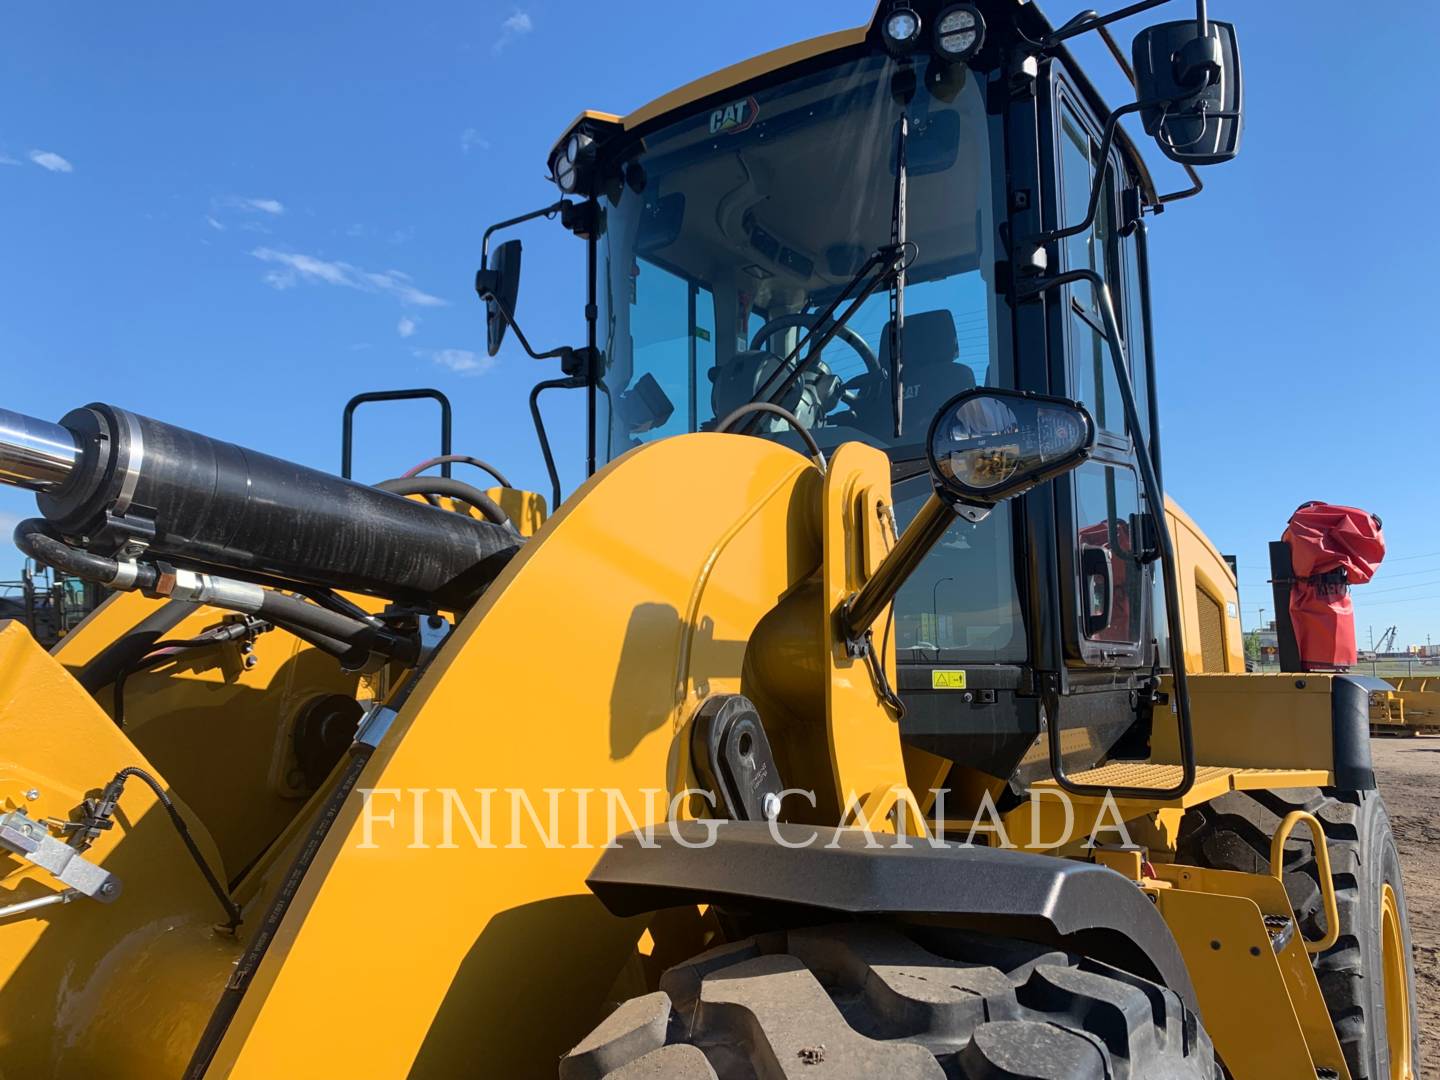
(1233, 832)
(868, 1000)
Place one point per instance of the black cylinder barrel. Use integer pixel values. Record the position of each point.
(212, 505)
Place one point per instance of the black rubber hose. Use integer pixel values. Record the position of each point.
(232, 911)
(350, 655)
(460, 459)
(348, 639)
(288, 611)
(107, 664)
(117, 709)
(177, 648)
(450, 489)
(752, 407)
(34, 537)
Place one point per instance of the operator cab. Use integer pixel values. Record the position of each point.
(732, 222)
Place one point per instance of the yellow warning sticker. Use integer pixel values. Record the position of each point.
(947, 680)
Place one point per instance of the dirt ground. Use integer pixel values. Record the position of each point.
(1409, 775)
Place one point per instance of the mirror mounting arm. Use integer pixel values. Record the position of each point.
(545, 211)
(858, 614)
(1040, 241)
(1092, 20)
(564, 352)
(1097, 186)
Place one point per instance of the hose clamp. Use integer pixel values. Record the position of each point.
(134, 460)
(375, 724)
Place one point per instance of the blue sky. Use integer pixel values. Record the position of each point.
(234, 219)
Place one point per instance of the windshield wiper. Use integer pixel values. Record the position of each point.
(899, 237)
(883, 266)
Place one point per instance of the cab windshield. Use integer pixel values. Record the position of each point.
(725, 233)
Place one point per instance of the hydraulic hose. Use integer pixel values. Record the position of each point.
(349, 639)
(785, 414)
(33, 536)
(460, 459)
(173, 649)
(450, 489)
(139, 640)
(285, 610)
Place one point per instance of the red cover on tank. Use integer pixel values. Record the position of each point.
(1331, 548)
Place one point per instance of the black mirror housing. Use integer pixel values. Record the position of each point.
(1189, 84)
(499, 286)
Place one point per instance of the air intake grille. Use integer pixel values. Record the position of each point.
(1212, 631)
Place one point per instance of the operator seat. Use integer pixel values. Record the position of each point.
(933, 373)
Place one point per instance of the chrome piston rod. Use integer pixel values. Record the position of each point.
(35, 454)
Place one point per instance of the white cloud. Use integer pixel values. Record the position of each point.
(406, 326)
(460, 361)
(274, 207)
(290, 268)
(48, 159)
(6, 159)
(470, 139)
(214, 224)
(517, 25)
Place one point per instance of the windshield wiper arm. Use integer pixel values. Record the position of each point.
(881, 268)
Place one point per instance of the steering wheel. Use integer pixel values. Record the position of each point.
(845, 334)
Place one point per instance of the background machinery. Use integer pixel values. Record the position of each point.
(899, 727)
(49, 604)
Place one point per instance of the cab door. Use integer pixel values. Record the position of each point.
(1106, 561)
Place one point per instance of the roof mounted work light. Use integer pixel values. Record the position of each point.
(901, 30)
(573, 163)
(959, 32)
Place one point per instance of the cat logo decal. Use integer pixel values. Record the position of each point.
(735, 117)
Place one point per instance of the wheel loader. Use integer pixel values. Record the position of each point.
(866, 712)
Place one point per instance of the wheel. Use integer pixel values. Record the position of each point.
(1368, 976)
(869, 1000)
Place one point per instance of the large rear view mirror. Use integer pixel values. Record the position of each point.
(986, 446)
(1189, 81)
(499, 286)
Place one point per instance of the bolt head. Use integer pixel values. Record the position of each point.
(770, 805)
(32, 794)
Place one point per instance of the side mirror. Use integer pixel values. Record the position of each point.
(986, 445)
(499, 286)
(1189, 82)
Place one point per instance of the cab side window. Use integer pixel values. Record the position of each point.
(1094, 249)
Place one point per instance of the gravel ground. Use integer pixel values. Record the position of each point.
(1408, 770)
